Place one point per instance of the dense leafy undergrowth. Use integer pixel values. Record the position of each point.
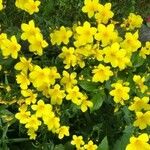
(74, 74)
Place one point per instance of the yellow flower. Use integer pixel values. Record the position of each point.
(85, 103)
(41, 78)
(29, 6)
(140, 82)
(23, 80)
(52, 122)
(23, 115)
(139, 143)
(68, 56)
(31, 133)
(3, 38)
(41, 108)
(139, 104)
(62, 131)
(44, 88)
(10, 47)
(37, 44)
(90, 146)
(90, 7)
(74, 95)
(133, 21)
(30, 96)
(68, 80)
(101, 73)
(53, 75)
(81, 148)
(32, 6)
(33, 123)
(116, 56)
(77, 141)
(1, 5)
(56, 95)
(29, 31)
(144, 51)
(85, 34)
(142, 120)
(24, 65)
(21, 3)
(61, 36)
(80, 59)
(106, 34)
(104, 13)
(97, 53)
(86, 50)
(120, 93)
(131, 42)
(111, 54)
(123, 59)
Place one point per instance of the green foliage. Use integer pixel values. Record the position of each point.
(122, 142)
(88, 86)
(104, 144)
(97, 99)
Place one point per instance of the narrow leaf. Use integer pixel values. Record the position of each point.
(104, 144)
(97, 100)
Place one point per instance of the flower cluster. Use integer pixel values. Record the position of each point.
(43, 113)
(34, 37)
(132, 22)
(9, 47)
(80, 144)
(91, 51)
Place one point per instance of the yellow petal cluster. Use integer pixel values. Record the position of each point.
(91, 7)
(139, 81)
(145, 51)
(104, 13)
(139, 143)
(34, 37)
(1, 4)
(30, 6)
(61, 36)
(116, 56)
(101, 73)
(133, 21)
(80, 144)
(120, 92)
(9, 47)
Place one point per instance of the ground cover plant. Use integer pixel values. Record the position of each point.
(74, 74)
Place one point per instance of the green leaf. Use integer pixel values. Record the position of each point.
(88, 86)
(108, 85)
(69, 146)
(47, 146)
(59, 147)
(137, 61)
(4, 111)
(127, 115)
(124, 140)
(148, 24)
(48, 7)
(97, 100)
(104, 144)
